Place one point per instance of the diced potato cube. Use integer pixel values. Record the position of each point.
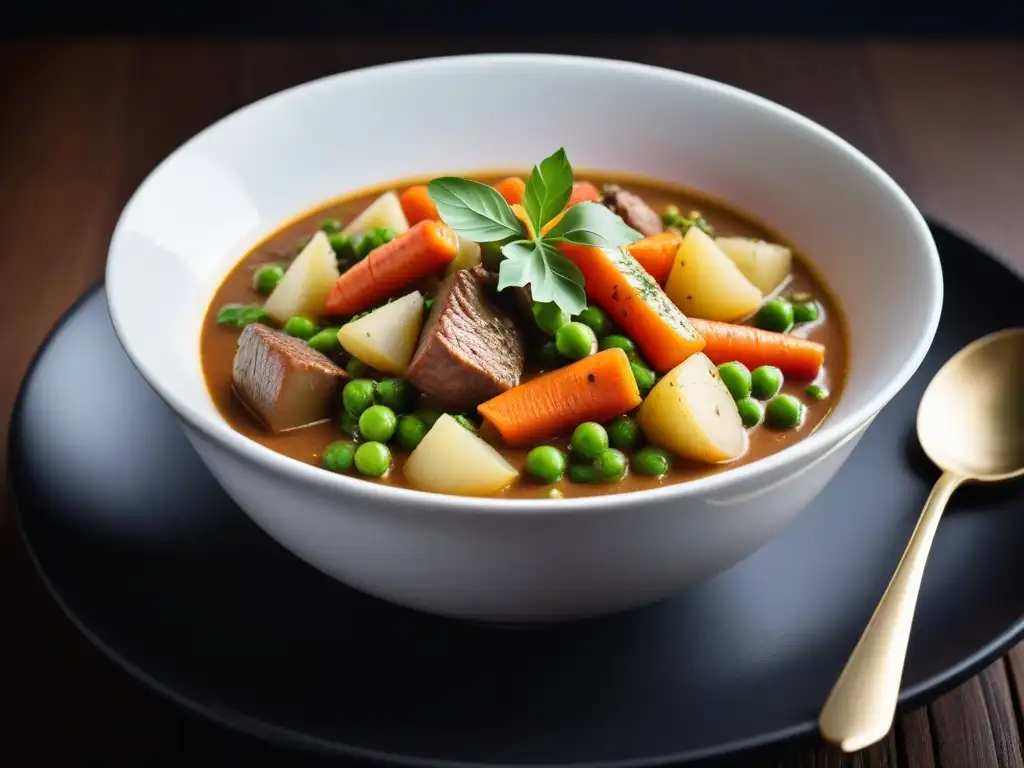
(305, 286)
(705, 283)
(451, 459)
(385, 211)
(691, 413)
(764, 264)
(386, 338)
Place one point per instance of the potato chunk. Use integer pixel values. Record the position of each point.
(386, 338)
(305, 286)
(451, 459)
(705, 283)
(691, 413)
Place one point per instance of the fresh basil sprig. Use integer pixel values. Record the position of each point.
(478, 212)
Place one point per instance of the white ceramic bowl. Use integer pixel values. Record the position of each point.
(505, 560)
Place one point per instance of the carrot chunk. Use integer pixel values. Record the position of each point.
(513, 189)
(656, 253)
(424, 249)
(583, 192)
(617, 283)
(417, 205)
(725, 342)
(596, 388)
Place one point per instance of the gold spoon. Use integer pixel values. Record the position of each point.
(971, 425)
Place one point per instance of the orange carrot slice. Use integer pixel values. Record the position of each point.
(617, 283)
(656, 253)
(513, 189)
(725, 342)
(421, 251)
(583, 192)
(596, 388)
(417, 205)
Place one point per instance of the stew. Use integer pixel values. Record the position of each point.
(525, 336)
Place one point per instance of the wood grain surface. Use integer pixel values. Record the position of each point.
(83, 121)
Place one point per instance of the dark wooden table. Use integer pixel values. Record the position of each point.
(82, 122)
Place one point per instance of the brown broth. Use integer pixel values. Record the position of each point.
(217, 346)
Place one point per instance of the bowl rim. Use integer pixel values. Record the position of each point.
(218, 431)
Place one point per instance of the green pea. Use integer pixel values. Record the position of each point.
(589, 439)
(652, 461)
(372, 240)
(784, 412)
(396, 394)
(373, 459)
(549, 316)
(765, 382)
(338, 456)
(330, 226)
(806, 312)
(622, 342)
(300, 327)
(736, 377)
(378, 423)
(575, 341)
(266, 278)
(594, 318)
(357, 369)
(546, 463)
(464, 422)
(358, 395)
(750, 411)
(344, 247)
(548, 357)
(411, 430)
(611, 465)
(816, 392)
(552, 493)
(583, 473)
(326, 341)
(428, 417)
(350, 426)
(644, 377)
(775, 315)
(625, 434)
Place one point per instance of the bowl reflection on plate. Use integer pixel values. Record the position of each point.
(496, 559)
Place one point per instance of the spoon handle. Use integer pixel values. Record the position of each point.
(860, 709)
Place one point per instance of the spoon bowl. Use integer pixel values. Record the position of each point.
(971, 417)
(970, 423)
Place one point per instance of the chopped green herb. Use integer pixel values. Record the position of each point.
(476, 211)
(240, 315)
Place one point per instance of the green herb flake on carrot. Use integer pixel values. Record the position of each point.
(596, 388)
(794, 356)
(421, 251)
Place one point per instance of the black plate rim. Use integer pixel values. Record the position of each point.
(231, 719)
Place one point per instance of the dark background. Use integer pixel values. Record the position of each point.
(831, 18)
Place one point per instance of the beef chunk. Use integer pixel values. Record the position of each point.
(633, 210)
(470, 349)
(283, 381)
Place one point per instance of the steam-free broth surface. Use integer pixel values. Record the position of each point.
(218, 347)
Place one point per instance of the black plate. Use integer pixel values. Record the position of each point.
(164, 573)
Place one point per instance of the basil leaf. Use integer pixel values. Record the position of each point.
(593, 224)
(240, 315)
(474, 210)
(548, 189)
(550, 275)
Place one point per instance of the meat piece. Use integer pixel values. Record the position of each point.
(633, 210)
(283, 381)
(470, 349)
